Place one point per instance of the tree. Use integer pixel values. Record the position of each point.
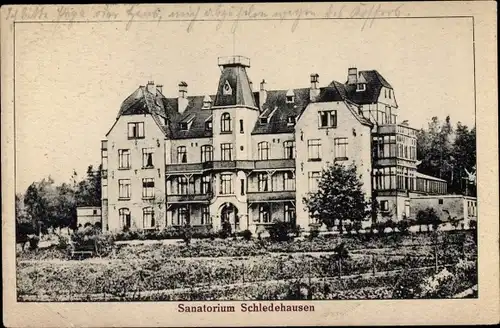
(428, 217)
(24, 225)
(339, 197)
(88, 191)
(40, 199)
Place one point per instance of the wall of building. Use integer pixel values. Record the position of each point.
(275, 142)
(118, 139)
(358, 149)
(446, 206)
(91, 214)
(193, 149)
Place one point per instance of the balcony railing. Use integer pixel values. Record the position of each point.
(195, 198)
(231, 165)
(234, 60)
(269, 196)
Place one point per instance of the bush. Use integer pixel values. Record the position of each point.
(403, 226)
(93, 239)
(473, 224)
(279, 231)
(246, 234)
(313, 232)
(34, 241)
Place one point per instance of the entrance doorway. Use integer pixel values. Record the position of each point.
(229, 213)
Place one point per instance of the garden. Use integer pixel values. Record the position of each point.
(372, 266)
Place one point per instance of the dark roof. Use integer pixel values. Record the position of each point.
(374, 84)
(276, 109)
(238, 81)
(194, 114)
(277, 106)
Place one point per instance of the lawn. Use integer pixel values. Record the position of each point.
(245, 270)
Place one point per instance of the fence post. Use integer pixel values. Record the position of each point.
(435, 257)
(373, 264)
(243, 271)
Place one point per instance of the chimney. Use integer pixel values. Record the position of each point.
(159, 88)
(207, 102)
(151, 87)
(352, 75)
(182, 99)
(262, 94)
(314, 90)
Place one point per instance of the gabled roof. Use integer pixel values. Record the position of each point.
(374, 83)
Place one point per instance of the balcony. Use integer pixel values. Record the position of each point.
(271, 196)
(183, 168)
(275, 164)
(230, 165)
(196, 198)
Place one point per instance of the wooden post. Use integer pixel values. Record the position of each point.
(436, 257)
(373, 264)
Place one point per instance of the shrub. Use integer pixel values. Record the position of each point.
(403, 226)
(92, 238)
(246, 234)
(473, 224)
(313, 232)
(279, 231)
(33, 241)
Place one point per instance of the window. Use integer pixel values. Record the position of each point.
(390, 93)
(205, 215)
(440, 201)
(290, 121)
(361, 87)
(182, 216)
(207, 153)
(147, 157)
(94, 212)
(340, 145)
(125, 219)
(136, 130)
(225, 123)
(313, 179)
(328, 119)
(182, 185)
(314, 149)
(148, 188)
(263, 149)
(124, 189)
(388, 116)
(148, 218)
(384, 178)
(226, 150)
(208, 126)
(124, 158)
(205, 185)
(290, 99)
(263, 120)
(264, 216)
(242, 187)
(289, 213)
(183, 126)
(241, 126)
(385, 93)
(289, 147)
(289, 181)
(263, 182)
(181, 154)
(385, 147)
(226, 184)
(384, 205)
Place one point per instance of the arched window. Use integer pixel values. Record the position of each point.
(263, 149)
(207, 152)
(225, 123)
(148, 217)
(125, 220)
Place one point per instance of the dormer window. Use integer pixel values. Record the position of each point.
(361, 87)
(290, 97)
(290, 120)
(208, 126)
(183, 126)
(263, 120)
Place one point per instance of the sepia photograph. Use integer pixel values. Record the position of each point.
(242, 154)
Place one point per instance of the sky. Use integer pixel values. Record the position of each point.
(72, 78)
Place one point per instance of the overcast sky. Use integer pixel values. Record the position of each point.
(71, 79)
